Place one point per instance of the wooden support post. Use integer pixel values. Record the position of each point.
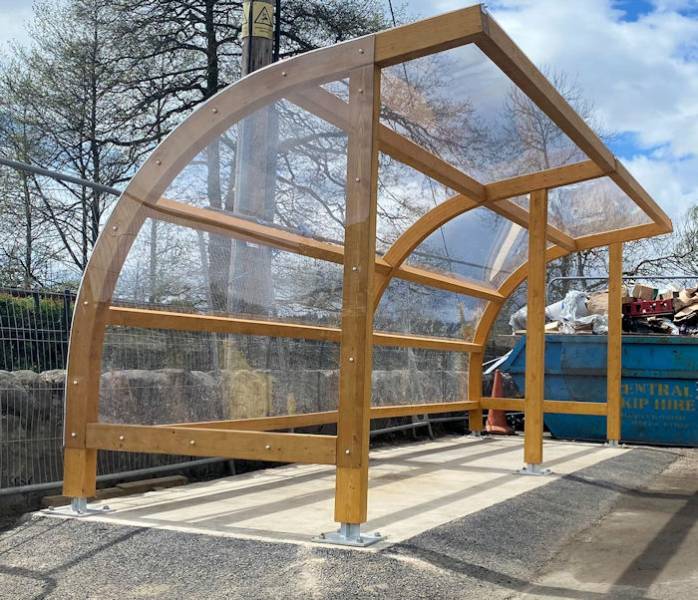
(357, 306)
(615, 318)
(475, 391)
(535, 329)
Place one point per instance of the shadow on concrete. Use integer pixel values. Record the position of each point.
(652, 561)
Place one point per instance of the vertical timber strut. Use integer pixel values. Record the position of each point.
(535, 335)
(475, 392)
(615, 321)
(357, 309)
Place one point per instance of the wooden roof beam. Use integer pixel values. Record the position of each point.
(449, 30)
(548, 179)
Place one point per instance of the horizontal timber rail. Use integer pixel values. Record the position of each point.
(328, 417)
(177, 321)
(224, 224)
(226, 443)
(564, 407)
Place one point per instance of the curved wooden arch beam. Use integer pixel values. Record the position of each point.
(211, 119)
(490, 313)
(626, 234)
(400, 250)
(398, 253)
(86, 341)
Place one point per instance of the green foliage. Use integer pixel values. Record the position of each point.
(34, 333)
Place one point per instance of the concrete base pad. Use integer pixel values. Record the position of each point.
(412, 488)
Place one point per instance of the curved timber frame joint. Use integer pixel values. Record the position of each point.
(366, 275)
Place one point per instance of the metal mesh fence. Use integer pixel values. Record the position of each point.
(34, 333)
(152, 376)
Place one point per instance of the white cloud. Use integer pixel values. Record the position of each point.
(634, 72)
(642, 76)
(671, 182)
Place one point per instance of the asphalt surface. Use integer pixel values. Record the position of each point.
(492, 554)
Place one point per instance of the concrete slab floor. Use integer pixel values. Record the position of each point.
(412, 489)
(646, 547)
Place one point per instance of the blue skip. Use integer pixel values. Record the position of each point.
(659, 386)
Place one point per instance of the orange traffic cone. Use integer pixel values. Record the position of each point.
(496, 419)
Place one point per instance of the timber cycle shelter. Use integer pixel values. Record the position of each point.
(372, 203)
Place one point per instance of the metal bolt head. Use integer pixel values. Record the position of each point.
(158, 162)
(192, 442)
(75, 381)
(73, 434)
(268, 446)
(105, 507)
(355, 268)
(214, 110)
(351, 359)
(121, 438)
(85, 303)
(361, 50)
(361, 90)
(115, 228)
(283, 73)
(358, 179)
(347, 451)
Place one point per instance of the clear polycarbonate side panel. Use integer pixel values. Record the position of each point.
(460, 106)
(171, 267)
(281, 166)
(408, 307)
(152, 376)
(404, 195)
(417, 376)
(593, 206)
(339, 88)
(478, 245)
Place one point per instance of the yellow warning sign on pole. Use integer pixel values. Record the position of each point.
(262, 19)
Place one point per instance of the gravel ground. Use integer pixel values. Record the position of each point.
(492, 554)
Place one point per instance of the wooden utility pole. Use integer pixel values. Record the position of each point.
(257, 44)
(256, 167)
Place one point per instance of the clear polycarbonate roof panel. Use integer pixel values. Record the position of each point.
(478, 245)
(170, 267)
(462, 107)
(594, 206)
(280, 166)
(153, 376)
(404, 195)
(408, 307)
(418, 376)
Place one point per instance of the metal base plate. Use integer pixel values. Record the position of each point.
(476, 435)
(77, 508)
(614, 444)
(535, 470)
(349, 534)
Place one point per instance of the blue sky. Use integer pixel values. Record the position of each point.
(636, 60)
